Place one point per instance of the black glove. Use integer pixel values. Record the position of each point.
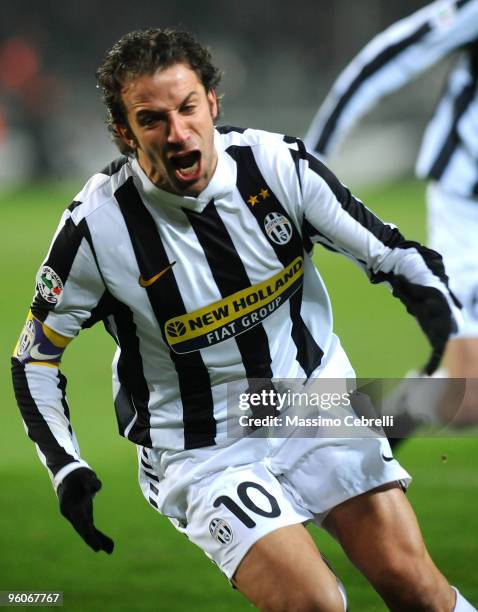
(433, 314)
(75, 495)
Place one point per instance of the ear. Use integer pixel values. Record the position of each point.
(126, 136)
(212, 99)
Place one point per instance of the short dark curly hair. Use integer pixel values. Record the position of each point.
(143, 52)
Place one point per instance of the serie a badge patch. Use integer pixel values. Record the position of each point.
(49, 285)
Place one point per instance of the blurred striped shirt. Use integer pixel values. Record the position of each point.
(449, 151)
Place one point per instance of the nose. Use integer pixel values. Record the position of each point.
(178, 132)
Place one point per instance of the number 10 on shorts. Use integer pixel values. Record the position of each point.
(243, 494)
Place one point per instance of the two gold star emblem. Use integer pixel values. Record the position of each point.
(256, 199)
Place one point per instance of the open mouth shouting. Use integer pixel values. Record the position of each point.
(187, 166)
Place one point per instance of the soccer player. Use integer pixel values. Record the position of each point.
(448, 159)
(194, 250)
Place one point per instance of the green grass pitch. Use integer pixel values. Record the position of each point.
(153, 567)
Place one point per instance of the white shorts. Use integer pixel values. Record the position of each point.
(225, 498)
(227, 511)
(453, 231)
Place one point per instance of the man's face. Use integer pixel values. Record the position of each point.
(170, 124)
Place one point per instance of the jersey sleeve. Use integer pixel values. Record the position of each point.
(389, 61)
(68, 291)
(336, 219)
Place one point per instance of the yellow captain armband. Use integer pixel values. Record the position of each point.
(39, 344)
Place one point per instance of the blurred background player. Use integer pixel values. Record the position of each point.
(448, 159)
(29, 98)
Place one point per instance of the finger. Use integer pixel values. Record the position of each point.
(86, 531)
(82, 521)
(93, 537)
(96, 539)
(81, 517)
(106, 543)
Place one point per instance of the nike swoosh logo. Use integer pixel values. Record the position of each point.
(35, 353)
(148, 282)
(387, 458)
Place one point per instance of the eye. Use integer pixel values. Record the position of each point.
(189, 108)
(149, 120)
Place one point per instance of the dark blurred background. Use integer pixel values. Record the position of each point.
(279, 59)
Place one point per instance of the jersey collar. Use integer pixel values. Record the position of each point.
(222, 182)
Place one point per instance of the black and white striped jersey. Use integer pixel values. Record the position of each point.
(449, 151)
(198, 292)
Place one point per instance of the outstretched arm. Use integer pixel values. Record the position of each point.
(68, 291)
(333, 217)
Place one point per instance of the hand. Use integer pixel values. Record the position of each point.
(433, 314)
(75, 495)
